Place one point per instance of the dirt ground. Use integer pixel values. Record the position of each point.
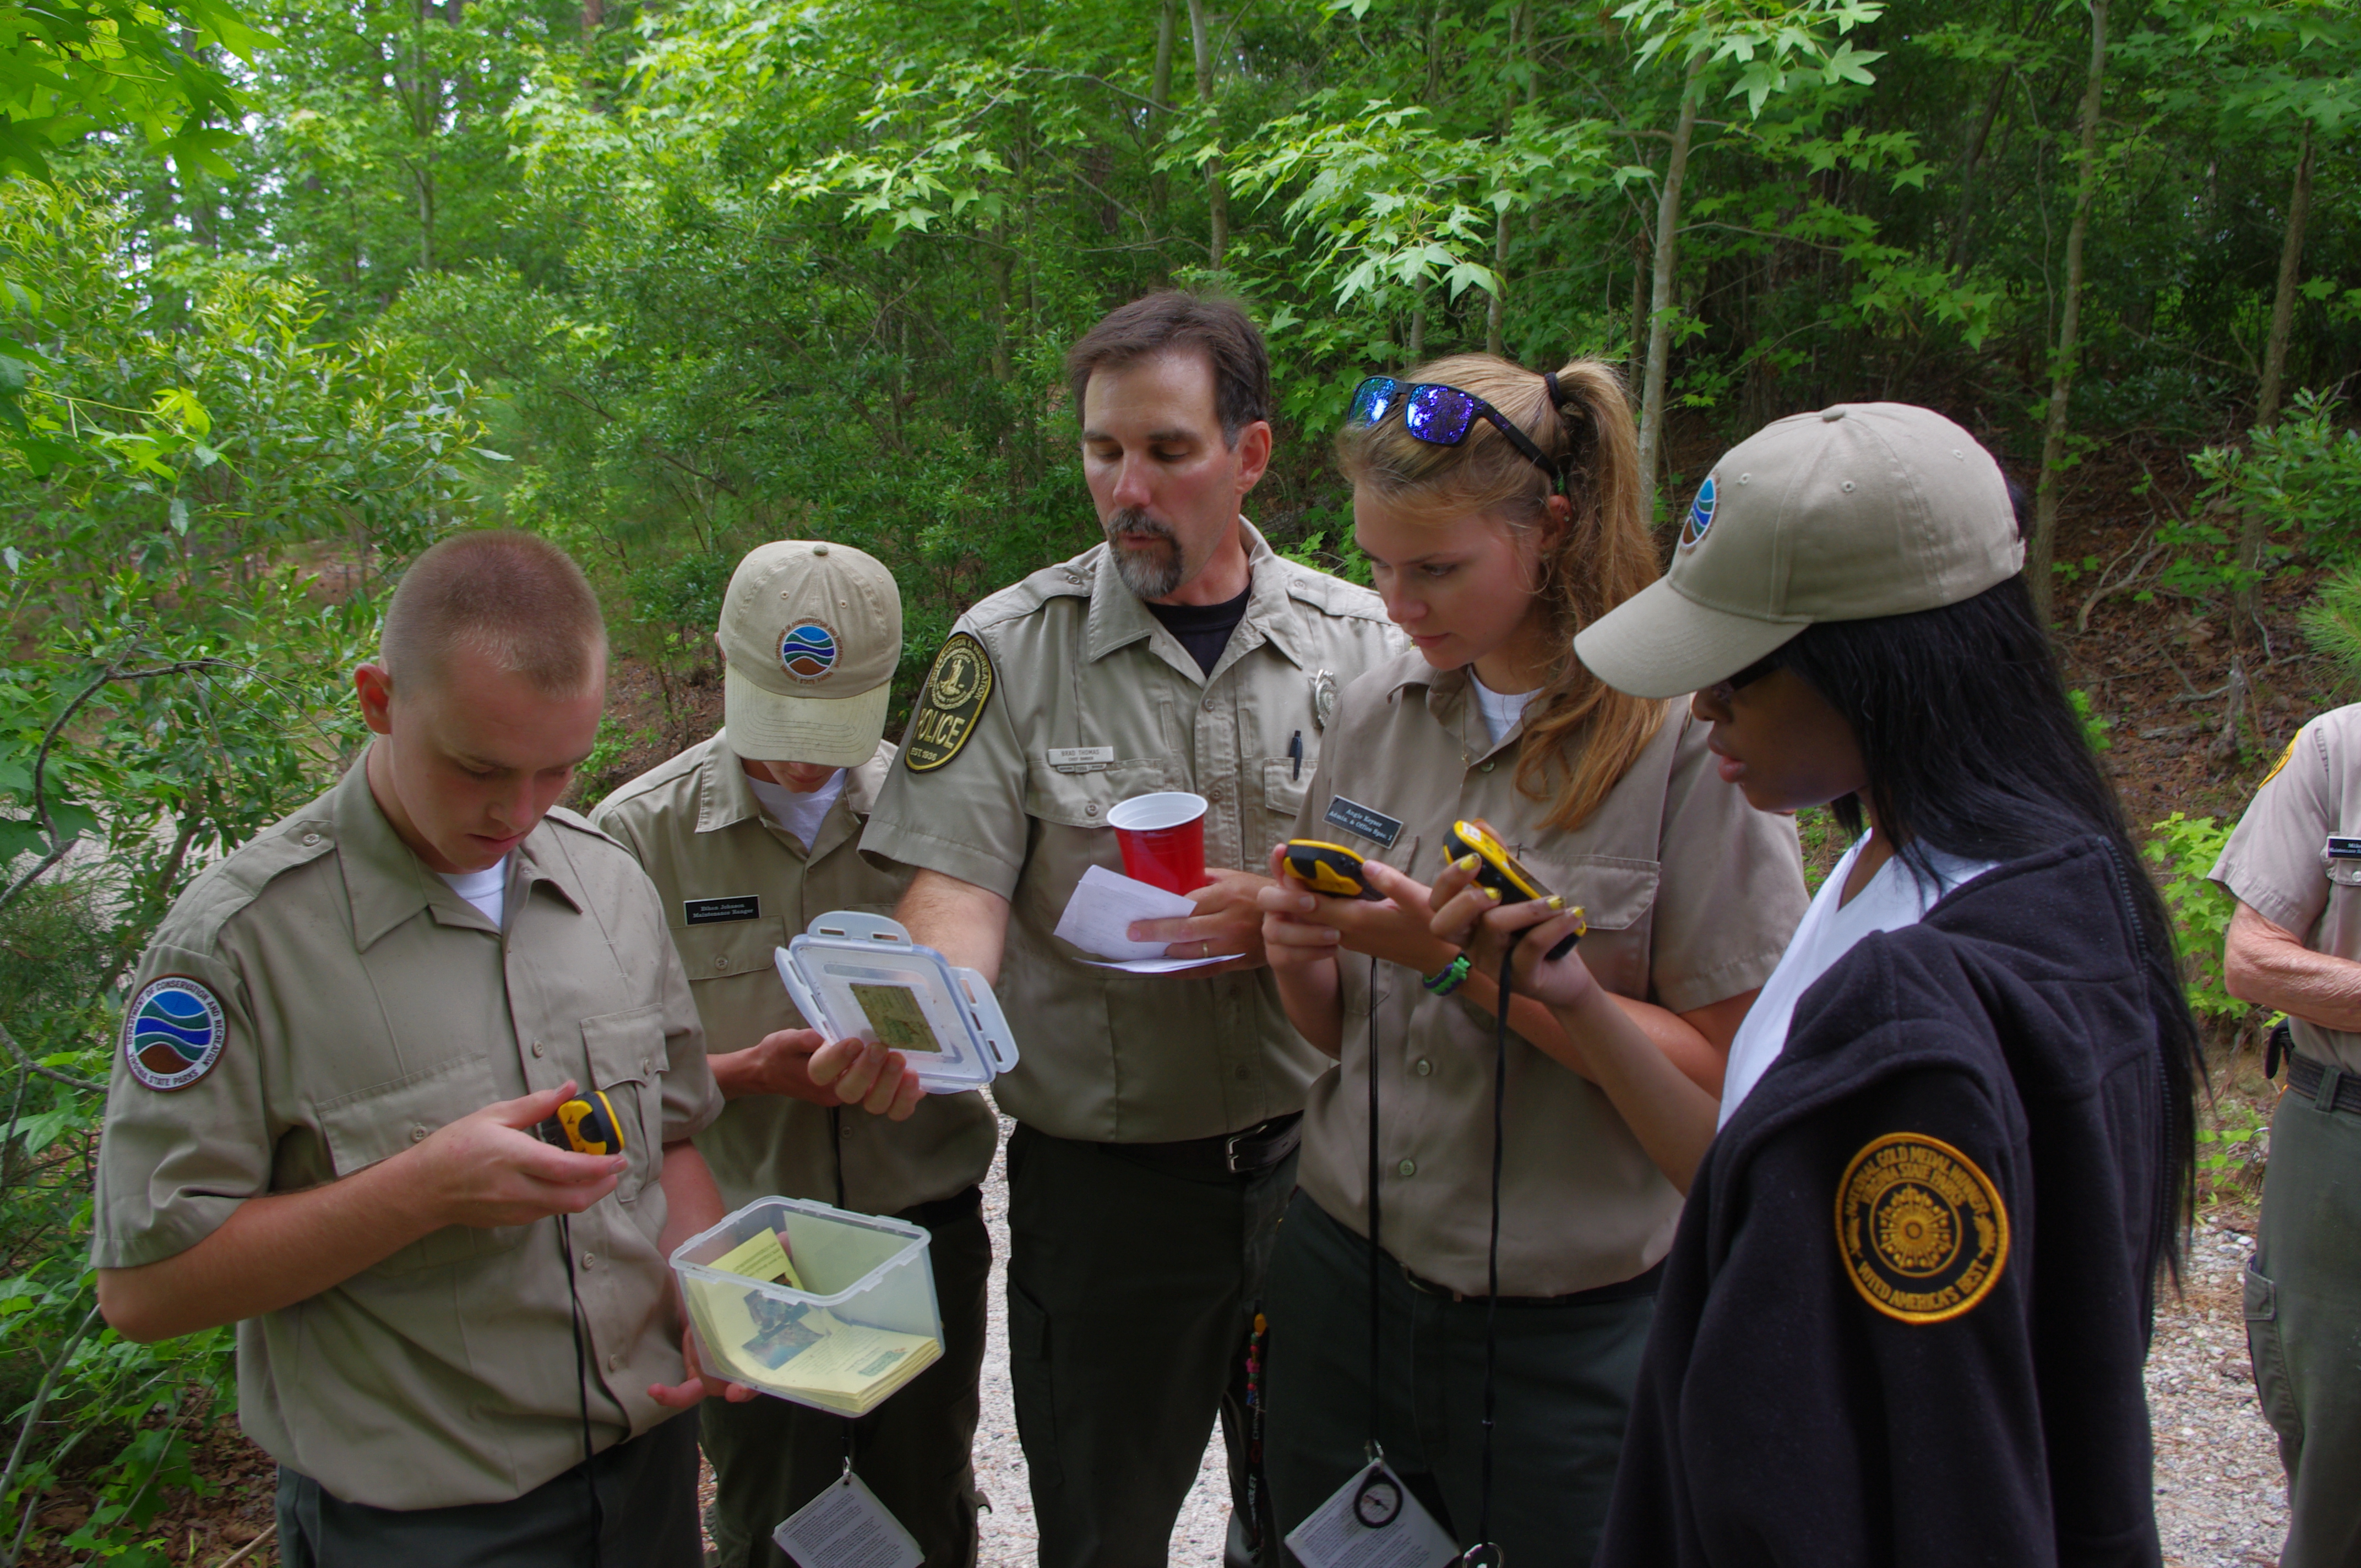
(2167, 680)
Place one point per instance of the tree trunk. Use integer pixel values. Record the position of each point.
(1968, 170)
(594, 16)
(2043, 546)
(1159, 92)
(2253, 537)
(1635, 358)
(1660, 309)
(1217, 195)
(1496, 313)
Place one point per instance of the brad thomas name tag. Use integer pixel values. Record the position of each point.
(1355, 817)
(1080, 759)
(2344, 849)
(712, 911)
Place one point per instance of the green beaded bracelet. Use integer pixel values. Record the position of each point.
(1446, 981)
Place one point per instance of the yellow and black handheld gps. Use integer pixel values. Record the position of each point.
(586, 1124)
(1500, 871)
(1330, 869)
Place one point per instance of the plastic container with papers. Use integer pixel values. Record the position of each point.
(804, 1300)
(854, 974)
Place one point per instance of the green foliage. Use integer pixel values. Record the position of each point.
(2096, 725)
(2184, 850)
(2332, 622)
(2300, 476)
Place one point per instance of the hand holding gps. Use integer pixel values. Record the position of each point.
(1500, 871)
(1329, 868)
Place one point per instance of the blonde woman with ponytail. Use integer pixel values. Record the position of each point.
(1502, 510)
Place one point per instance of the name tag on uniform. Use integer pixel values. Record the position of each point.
(712, 911)
(2345, 849)
(1080, 759)
(1355, 817)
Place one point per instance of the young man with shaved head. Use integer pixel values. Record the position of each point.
(1156, 1114)
(460, 1341)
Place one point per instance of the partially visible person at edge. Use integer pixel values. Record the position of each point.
(1905, 1317)
(1157, 1115)
(1490, 551)
(749, 836)
(322, 1124)
(2295, 945)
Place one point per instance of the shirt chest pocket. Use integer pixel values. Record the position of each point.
(727, 949)
(380, 1122)
(1616, 896)
(626, 1053)
(1083, 799)
(1284, 779)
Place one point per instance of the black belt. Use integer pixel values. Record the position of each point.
(945, 1210)
(1249, 1152)
(1643, 1283)
(2303, 1078)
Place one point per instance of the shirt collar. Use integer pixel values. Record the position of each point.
(724, 798)
(1118, 618)
(1451, 703)
(387, 883)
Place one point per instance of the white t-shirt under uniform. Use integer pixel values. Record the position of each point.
(1897, 896)
(486, 889)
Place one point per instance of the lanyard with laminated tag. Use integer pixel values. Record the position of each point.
(847, 1527)
(1372, 1521)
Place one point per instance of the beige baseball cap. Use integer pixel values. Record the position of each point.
(1858, 510)
(811, 632)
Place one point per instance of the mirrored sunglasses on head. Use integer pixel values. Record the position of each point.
(1439, 415)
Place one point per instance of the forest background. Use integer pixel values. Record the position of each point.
(288, 293)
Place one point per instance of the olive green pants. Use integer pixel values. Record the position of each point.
(2303, 1321)
(1131, 1292)
(647, 1513)
(1562, 1394)
(770, 1456)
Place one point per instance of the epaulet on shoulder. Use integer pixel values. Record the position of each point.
(1334, 595)
(666, 772)
(238, 878)
(581, 824)
(1067, 579)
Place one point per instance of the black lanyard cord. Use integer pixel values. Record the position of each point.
(582, 1388)
(1378, 1503)
(1484, 1551)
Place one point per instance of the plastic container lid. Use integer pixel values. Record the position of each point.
(852, 1320)
(853, 974)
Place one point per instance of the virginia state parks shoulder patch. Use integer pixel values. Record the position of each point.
(958, 686)
(173, 1032)
(1924, 1232)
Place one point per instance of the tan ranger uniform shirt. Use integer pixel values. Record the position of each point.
(323, 1001)
(1691, 896)
(1091, 701)
(2279, 860)
(736, 886)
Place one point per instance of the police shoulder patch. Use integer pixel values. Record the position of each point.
(958, 686)
(1923, 1231)
(173, 1032)
(2285, 753)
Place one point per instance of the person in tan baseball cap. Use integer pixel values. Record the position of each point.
(748, 836)
(1904, 1315)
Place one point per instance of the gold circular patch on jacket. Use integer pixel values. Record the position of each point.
(958, 686)
(1923, 1230)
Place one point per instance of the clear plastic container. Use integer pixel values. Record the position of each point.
(860, 1321)
(854, 974)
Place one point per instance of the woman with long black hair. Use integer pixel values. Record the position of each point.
(1905, 1317)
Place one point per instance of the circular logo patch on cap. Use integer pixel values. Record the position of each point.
(1701, 515)
(173, 1032)
(807, 651)
(1924, 1232)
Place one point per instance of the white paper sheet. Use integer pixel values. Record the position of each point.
(847, 1527)
(1333, 1537)
(1102, 908)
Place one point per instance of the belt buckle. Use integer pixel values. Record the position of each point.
(1230, 1151)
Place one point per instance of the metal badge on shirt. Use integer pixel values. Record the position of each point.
(711, 911)
(1355, 817)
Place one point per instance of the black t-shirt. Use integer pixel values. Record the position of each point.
(1204, 629)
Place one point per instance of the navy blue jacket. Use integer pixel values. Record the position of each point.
(1904, 1319)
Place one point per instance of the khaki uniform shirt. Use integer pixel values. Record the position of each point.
(1691, 896)
(735, 887)
(361, 1006)
(1092, 702)
(2278, 862)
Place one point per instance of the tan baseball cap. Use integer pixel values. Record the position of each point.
(1858, 510)
(811, 632)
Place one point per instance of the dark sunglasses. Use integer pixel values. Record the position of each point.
(1438, 415)
(1722, 690)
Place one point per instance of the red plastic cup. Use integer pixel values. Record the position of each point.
(1163, 840)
